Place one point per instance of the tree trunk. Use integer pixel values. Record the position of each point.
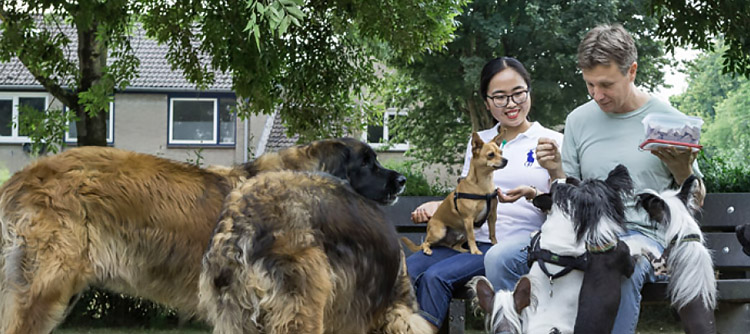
(92, 57)
(481, 118)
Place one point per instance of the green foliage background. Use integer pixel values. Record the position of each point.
(441, 88)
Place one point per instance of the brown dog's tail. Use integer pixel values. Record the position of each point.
(410, 244)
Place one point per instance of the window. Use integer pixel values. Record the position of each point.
(72, 135)
(9, 110)
(378, 136)
(202, 121)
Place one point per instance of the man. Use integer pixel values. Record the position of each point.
(607, 131)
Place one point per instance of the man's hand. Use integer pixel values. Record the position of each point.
(548, 156)
(679, 161)
(424, 212)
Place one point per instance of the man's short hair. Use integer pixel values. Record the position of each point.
(605, 44)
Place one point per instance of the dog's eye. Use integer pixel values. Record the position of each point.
(491, 155)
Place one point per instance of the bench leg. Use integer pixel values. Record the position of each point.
(455, 322)
(732, 318)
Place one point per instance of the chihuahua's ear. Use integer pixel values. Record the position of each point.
(619, 180)
(691, 193)
(543, 202)
(476, 142)
(657, 209)
(498, 140)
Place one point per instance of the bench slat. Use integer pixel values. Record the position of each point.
(724, 211)
(727, 251)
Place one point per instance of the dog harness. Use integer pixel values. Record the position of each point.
(542, 256)
(489, 197)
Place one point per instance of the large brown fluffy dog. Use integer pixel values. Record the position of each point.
(134, 223)
(303, 253)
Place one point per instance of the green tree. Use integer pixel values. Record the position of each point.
(698, 23)
(723, 101)
(707, 85)
(310, 59)
(543, 35)
(729, 133)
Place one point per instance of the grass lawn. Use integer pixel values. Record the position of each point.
(655, 319)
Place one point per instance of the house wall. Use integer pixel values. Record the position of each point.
(141, 125)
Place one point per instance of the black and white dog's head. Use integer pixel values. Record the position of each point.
(688, 260)
(594, 206)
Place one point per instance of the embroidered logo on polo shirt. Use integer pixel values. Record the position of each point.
(529, 158)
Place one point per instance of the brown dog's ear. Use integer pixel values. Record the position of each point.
(476, 142)
(522, 294)
(485, 294)
(498, 140)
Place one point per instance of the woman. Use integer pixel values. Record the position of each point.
(505, 86)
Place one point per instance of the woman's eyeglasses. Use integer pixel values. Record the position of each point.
(501, 101)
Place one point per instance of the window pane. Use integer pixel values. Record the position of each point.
(193, 120)
(73, 131)
(227, 120)
(6, 117)
(34, 102)
(374, 133)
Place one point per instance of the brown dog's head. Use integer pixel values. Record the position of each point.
(489, 154)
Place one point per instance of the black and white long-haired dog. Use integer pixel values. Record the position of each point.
(583, 215)
(692, 283)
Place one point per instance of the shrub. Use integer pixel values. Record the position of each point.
(416, 182)
(721, 174)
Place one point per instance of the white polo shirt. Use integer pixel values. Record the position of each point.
(521, 217)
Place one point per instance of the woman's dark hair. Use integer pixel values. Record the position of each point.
(495, 66)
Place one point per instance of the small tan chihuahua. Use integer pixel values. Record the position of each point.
(472, 203)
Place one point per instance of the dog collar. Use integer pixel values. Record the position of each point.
(603, 248)
(689, 237)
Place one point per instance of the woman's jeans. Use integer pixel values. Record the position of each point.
(436, 276)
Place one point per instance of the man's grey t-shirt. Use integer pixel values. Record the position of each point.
(596, 141)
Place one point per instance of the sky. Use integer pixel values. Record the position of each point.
(675, 78)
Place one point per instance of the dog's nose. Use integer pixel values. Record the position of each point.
(401, 180)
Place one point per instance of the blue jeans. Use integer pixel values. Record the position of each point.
(630, 297)
(505, 262)
(436, 276)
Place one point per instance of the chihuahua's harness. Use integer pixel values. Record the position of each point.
(489, 197)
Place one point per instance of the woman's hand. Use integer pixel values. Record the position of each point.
(514, 194)
(424, 212)
(548, 156)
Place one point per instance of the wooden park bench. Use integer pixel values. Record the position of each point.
(722, 212)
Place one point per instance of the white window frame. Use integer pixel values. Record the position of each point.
(14, 138)
(110, 126)
(386, 135)
(215, 127)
